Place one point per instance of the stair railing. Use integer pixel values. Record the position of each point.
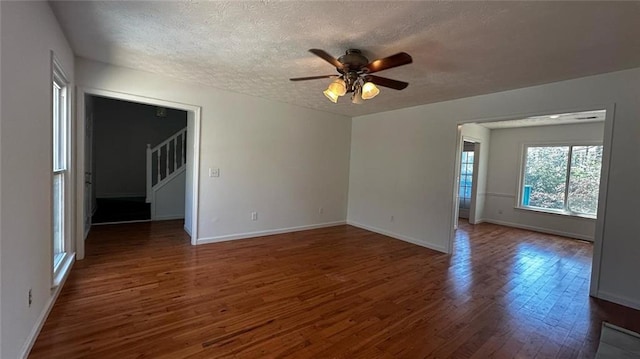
(165, 160)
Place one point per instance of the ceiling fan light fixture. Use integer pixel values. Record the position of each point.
(331, 95)
(338, 87)
(369, 91)
(356, 97)
(355, 74)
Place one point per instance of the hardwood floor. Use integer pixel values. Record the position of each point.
(340, 292)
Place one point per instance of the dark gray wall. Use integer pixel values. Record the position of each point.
(121, 133)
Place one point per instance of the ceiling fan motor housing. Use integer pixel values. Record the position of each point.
(353, 60)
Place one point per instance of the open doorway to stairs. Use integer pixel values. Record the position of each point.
(135, 161)
(168, 189)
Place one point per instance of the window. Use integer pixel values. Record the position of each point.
(562, 179)
(60, 124)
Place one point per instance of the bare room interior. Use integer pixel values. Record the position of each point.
(319, 179)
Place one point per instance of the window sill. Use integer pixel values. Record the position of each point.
(556, 212)
(62, 269)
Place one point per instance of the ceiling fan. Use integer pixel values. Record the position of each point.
(355, 74)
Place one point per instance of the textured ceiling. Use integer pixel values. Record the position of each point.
(549, 120)
(459, 49)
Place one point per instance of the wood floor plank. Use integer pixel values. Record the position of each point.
(339, 292)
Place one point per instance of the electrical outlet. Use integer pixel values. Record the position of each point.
(393, 218)
(320, 210)
(254, 216)
(30, 297)
(499, 211)
(214, 172)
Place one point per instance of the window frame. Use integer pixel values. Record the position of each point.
(60, 168)
(521, 176)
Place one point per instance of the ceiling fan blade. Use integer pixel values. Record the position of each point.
(399, 59)
(326, 57)
(383, 81)
(312, 78)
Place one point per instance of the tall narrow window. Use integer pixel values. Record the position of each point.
(563, 179)
(60, 124)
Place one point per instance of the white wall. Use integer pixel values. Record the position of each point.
(1, 119)
(29, 32)
(121, 133)
(505, 157)
(482, 136)
(168, 200)
(402, 163)
(279, 160)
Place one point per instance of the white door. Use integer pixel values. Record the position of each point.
(466, 180)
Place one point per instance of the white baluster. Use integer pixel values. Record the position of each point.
(170, 164)
(149, 175)
(184, 146)
(175, 154)
(158, 151)
(166, 174)
(178, 159)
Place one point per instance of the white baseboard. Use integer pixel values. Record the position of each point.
(401, 237)
(186, 229)
(540, 229)
(478, 221)
(627, 302)
(231, 237)
(168, 217)
(31, 339)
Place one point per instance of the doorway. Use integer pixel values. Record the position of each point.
(467, 179)
(539, 172)
(471, 173)
(191, 155)
(546, 173)
(137, 163)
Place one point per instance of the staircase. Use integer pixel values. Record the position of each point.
(166, 165)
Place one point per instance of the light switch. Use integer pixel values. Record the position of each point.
(214, 172)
